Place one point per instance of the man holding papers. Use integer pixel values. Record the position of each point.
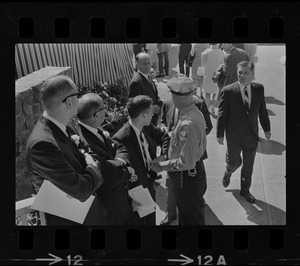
(52, 155)
(113, 157)
(141, 141)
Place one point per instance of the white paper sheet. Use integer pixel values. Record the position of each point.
(51, 199)
(131, 191)
(143, 196)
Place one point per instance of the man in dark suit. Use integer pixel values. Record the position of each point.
(184, 50)
(141, 139)
(52, 155)
(142, 84)
(113, 159)
(231, 59)
(241, 103)
(169, 120)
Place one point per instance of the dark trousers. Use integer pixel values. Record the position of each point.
(233, 159)
(189, 195)
(171, 200)
(163, 62)
(183, 60)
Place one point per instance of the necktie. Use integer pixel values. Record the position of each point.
(175, 118)
(100, 135)
(144, 150)
(247, 103)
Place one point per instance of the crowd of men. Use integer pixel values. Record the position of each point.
(111, 166)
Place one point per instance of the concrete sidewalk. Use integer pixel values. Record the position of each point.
(224, 205)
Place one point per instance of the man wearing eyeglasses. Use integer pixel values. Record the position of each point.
(52, 155)
(113, 157)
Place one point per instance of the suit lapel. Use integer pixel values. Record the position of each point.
(151, 84)
(107, 142)
(136, 143)
(95, 139)
(63, 138)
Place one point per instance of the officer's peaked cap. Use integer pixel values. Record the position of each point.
(181, 85)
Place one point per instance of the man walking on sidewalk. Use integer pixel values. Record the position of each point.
(241, 103)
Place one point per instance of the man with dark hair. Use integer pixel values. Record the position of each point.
(113, 158)
(241, 104)
(141, 139)
(142, 84)
(187, 145)
(52, 155)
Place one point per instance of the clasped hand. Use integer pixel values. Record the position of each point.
(89, 160)
(155, 166)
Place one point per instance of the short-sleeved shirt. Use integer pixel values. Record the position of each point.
(188, 141)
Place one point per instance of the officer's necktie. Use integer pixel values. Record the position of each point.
(247, 100)
(144, 150)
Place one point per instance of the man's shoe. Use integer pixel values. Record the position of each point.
(226, 180)
(248, 197)
(167, 220)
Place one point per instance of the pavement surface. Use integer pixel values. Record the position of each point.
(224, 205)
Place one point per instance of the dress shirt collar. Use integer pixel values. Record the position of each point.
(242, 87)
(57, 123)
(146, 76)
(136, 130)
(92, 129)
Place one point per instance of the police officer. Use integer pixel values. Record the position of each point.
(187, 145)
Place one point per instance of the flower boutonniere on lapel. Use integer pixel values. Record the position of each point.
(81, 145)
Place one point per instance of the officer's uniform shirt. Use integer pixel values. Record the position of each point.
(188, 141)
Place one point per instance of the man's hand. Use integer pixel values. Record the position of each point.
(135, 205)
(160, 158)
(116, 163)
(268, 135)
(89, 160)
(155, 167)
(163, 127)
(131, 171)
(156, 109)
(220, 141)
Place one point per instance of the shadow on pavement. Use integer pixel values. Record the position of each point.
(270, 147)
(260, 213)
(210, 217)
(270, 112)
(272, 100)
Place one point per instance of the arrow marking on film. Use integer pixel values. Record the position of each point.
(187, 260)
(54, 260)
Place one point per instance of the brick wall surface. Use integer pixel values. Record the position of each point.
(29, 106)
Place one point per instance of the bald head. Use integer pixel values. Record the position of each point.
(55, 89)
(88, 105)
(143, 63)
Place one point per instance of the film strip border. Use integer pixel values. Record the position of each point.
(160, 246)
(100, 22)
(131, 22)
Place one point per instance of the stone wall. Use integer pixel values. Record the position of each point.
(29, 106)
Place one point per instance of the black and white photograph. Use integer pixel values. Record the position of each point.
(150, 134)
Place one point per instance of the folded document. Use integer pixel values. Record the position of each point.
(51, 199)
(143, 196)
